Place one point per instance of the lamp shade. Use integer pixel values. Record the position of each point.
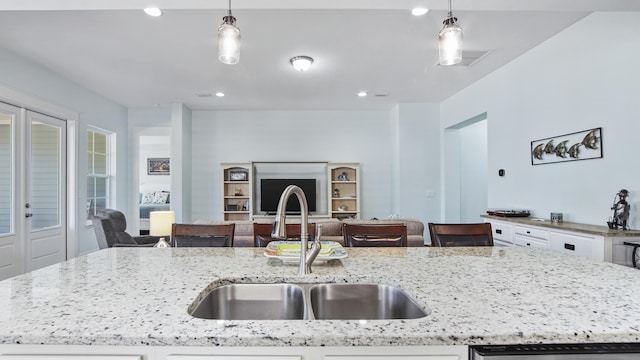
(160, 222)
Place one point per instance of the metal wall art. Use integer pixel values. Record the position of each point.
(580, 145)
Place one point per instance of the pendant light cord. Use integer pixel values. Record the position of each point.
(450, 12)
(230, 6)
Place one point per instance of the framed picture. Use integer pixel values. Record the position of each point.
(158, 166)
(238, 175)
(581, 145)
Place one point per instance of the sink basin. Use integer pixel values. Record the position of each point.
(362, 301)
(326, 301)
(252, 302)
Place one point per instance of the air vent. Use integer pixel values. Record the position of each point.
(471, 57)
(381, 95)
(204, 95)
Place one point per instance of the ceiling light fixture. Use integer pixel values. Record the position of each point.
(229, 40)
(301, 63)
(450, 40)
(362, 93)
(419, 11)
(220, 94)
(153, 11)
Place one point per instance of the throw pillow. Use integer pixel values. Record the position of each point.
(161, 197)
(148, 197)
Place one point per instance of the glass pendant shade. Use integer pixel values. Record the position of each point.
(450, 42)
(229, 41)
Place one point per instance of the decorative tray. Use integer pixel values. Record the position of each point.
(289, 251)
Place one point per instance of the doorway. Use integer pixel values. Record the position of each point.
(33, 185)
(153, 187)
(466, 167)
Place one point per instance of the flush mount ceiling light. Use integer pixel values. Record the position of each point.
(419, 11)
(220, 94)
(229, 40)
(362, 93)
(450, 40)
(301, 63)
(153, 11)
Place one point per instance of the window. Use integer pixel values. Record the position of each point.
(99, 174)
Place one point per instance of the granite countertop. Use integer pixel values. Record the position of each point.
(568, 226)
(139, 296)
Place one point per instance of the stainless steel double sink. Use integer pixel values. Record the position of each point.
(325, 301)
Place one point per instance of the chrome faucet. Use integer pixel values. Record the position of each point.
(279, 229)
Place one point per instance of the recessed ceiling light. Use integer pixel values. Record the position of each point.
(220, 94)
(362, 93)
(301, 63)
(153, 11)
(419, 11)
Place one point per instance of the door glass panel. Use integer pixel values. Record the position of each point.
(6, 173)
(45, 173)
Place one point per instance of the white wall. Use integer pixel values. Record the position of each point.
(584, 77)
(340, 136)
(30, 78)
(418, 162)
(153, 147)
(398, 152)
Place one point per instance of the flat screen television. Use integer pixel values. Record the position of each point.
(271, 189)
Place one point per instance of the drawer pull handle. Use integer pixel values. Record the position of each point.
(569, 247)
(498, 231)
(528, 232)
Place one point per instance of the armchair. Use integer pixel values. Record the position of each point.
(110, 225)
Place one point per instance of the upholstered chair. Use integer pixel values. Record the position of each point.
(110, 225)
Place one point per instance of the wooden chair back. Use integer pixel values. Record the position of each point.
(384, 235)
(262, 233)
(202, 235)
(479, 234)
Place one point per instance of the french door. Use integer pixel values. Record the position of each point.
(32, 190)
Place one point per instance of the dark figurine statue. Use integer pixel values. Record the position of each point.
(620, 211)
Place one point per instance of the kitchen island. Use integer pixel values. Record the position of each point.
(138, 297)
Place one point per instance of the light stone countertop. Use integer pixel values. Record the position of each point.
(139, 296)
(567, 226)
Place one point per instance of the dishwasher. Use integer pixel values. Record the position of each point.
(600, 351)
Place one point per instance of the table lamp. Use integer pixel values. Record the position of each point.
(160, 225)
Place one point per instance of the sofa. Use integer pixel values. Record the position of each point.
(331, 229)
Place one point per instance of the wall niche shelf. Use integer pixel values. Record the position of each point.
(344, 190)
(237, 191)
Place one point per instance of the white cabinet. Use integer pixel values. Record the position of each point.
(454, 352)
(562, 238)
(70, 357)
(574, 244)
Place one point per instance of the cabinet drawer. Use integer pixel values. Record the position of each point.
(519, 240)
(532, 232)
(572, 244)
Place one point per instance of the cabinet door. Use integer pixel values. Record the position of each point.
(572, 244)
(233, 357)
(394, 357)
(70, 357)
(502, 233)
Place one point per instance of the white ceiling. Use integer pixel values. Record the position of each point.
(114, 49)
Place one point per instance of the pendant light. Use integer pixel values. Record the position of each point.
(229, 40)
(450, 40)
